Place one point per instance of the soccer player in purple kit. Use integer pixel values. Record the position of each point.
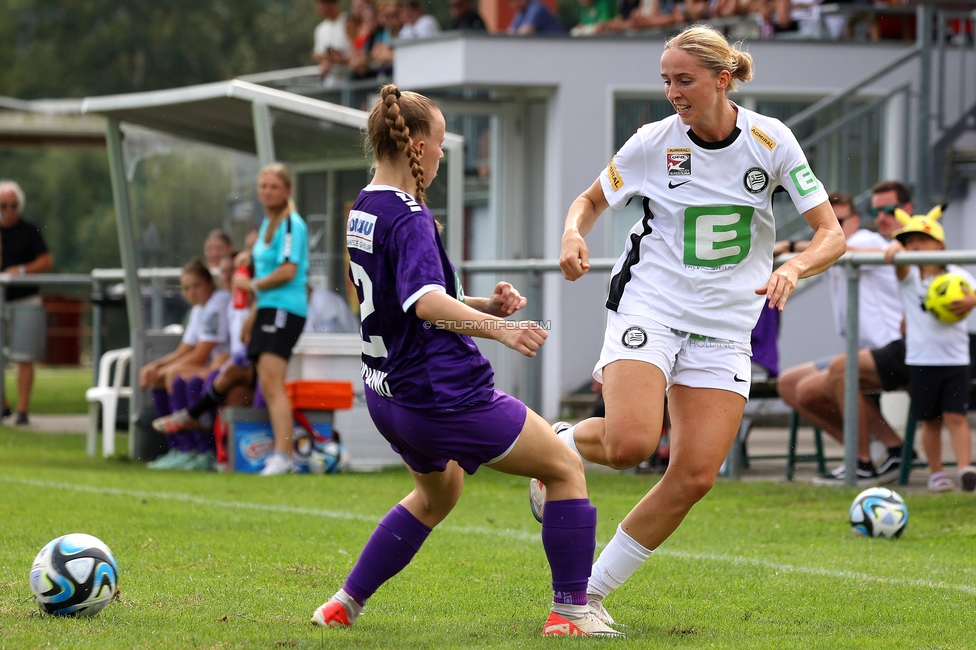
(430, 391)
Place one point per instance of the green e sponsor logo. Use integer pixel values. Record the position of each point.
(718, 235)
(804, 180)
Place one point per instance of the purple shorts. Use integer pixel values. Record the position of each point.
(428, 440)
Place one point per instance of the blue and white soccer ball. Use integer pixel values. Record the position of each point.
(879, 512)
(329, 457)
(74, 575)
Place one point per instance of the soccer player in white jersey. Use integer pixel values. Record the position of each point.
(689, 287)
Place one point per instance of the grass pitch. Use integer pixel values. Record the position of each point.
(235, 561)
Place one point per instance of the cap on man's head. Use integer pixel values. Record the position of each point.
(927, 224)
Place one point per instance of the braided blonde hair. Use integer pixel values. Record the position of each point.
(395, 118)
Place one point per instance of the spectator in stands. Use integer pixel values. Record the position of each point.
(328, 312)
(649, 14)
(417, 23)
(216, 247)
(464, 16)
(937, 353)
(280, 258)
(205, 337)
(22, 251)
(359, 61)
(533, 17)
(806, 387)
(380, 45)
(331, 45)
(593, 14)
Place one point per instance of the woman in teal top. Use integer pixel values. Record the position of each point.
(280, 258)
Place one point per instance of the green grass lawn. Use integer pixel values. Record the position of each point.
(237, 561)
(56, 390)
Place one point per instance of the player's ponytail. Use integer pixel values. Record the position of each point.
(712, 51)
(395, 118)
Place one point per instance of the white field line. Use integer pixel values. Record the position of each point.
(495, 532)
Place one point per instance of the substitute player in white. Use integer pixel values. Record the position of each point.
(688, 290)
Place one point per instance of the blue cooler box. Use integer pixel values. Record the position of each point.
(250, 440)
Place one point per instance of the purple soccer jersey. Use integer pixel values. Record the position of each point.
(395, 257)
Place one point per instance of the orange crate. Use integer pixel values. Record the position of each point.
(319, 395)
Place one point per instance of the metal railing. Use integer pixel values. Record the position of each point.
(35, 279)
(97, 279)
(852, 263)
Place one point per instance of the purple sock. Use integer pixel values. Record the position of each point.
(161, 406)
(569, 538)
(258, 402)
(177, 400)
(202, 442)
(397, 538)
(160, 402)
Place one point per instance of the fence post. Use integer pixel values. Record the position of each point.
(852, 388)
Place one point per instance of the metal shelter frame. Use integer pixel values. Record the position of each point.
(239, 115)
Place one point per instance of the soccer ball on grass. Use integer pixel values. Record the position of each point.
(879, 512)
(74, 575)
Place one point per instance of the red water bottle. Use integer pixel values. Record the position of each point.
(240, 295)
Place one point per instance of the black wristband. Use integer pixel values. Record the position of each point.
(792, 246)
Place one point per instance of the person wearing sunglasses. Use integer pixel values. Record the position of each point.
(806, 387)
(22, 251)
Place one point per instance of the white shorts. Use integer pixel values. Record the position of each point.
(684, 358)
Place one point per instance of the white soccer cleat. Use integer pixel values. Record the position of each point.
(598, 610)
(537, 498)
(331, 614)
(585, 625)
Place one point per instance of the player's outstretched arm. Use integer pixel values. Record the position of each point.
(574, 259)
(827, 245)
(442, 311)
(505, 300)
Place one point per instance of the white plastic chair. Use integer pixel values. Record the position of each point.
(106, 395)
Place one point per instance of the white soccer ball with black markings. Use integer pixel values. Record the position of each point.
(74, 575)
(879, 512)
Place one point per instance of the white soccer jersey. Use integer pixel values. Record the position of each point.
(191, 334)
(929, 341)
(214, 324)
(705, 243)
(879, 306)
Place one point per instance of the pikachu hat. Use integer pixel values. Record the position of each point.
(927, 224)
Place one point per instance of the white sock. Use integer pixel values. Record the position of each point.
(353, 608)
(570, 612)
(618, 561)
(569, 437)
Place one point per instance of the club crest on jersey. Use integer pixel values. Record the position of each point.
(679, 162)
(756, 180)
(359, 230)
(634, 337)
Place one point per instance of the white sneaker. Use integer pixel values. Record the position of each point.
(598, 610)
(276, 465)
(585, 625)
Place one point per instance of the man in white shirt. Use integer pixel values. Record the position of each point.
(812, 389)
(331, 43)
(417, 23)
